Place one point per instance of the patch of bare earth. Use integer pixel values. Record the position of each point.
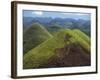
(69, 56)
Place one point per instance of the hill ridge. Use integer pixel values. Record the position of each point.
(40, 55)
(34, 35)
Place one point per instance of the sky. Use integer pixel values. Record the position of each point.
(52, 14)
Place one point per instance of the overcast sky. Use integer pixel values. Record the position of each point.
(29, 13)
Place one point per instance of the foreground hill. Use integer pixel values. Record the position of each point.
(82, 35)
(34, 35)
(58, 50)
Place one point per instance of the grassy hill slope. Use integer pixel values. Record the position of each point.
(82, 35)
(33, 36)
(40, 55)
(80, 38)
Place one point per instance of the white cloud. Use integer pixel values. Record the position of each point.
(37, 13)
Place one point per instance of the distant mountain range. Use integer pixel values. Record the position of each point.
(67, 23)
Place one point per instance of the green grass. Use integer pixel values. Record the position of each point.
(79, 38)
(82, 35)
(43, 52)
(33, 36)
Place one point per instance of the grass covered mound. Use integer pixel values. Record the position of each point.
(33, 36)
(82, 35)
(40, 55)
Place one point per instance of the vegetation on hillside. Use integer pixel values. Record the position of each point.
(39, 56)
(33, 36)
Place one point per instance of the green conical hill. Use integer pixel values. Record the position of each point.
(40, 55)
(33, 36)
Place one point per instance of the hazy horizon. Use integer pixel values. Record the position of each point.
(53, 14)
